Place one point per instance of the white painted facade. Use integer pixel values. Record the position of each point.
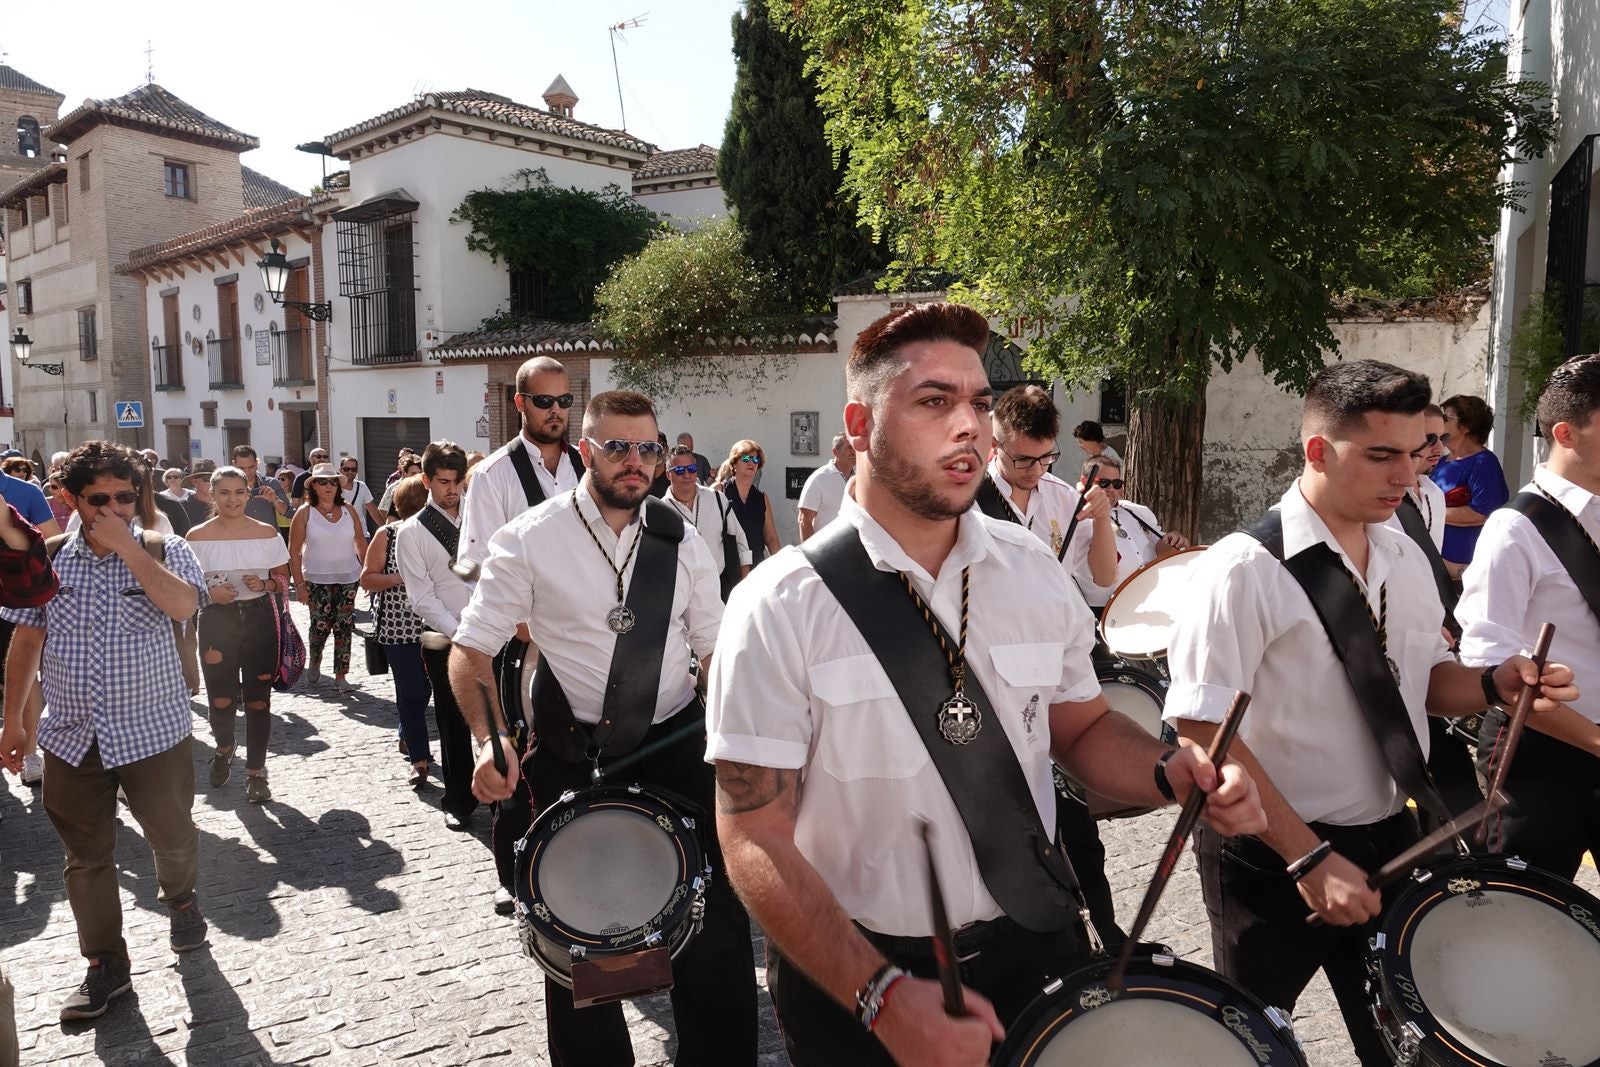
(1558, 42)
(687, 205)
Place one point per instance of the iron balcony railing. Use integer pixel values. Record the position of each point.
(168, 366)
(223, 358)
(291, 357)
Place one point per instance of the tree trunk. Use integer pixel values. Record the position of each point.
(1166, 443)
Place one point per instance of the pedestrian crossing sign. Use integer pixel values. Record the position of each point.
(130, 414)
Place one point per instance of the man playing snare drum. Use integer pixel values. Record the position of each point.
(615, 594)
(1337, 743)
(839, 720)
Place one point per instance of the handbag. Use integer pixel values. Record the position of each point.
(377, 658)
(291, 648)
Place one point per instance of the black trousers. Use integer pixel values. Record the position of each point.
(1011, 968)
(514, 816)
(455, 740)
(1259, 934)
(1556, 817)
(1080, 840)
(714, 983)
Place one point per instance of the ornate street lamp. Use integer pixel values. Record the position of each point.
(275, 279)
(22, 348)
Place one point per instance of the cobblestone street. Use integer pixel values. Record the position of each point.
(348, 926)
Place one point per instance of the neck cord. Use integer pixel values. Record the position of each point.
(618, 571)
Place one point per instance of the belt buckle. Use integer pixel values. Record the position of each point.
(969, 957)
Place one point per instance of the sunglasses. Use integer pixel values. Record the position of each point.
(349, 470)
(1108, 483)
(100, 500)
(748, 458)
(544, 401)
(650, 452)
(324, 481)
(1435, 439)
(691, 468)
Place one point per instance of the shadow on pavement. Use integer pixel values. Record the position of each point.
(121, 1035)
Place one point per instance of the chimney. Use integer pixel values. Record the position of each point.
(559, 98)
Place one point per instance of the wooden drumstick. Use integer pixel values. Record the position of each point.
(1402, 865)
(1072, 524)
(944, 944)
(1519, 719)
(1188, 815)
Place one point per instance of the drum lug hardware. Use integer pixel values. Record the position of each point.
(636, 789)
(1516, 863)
(1052, 987)
(1097, 947)
(578, 952)
(520, 846)
(688, 823)
(566, 797)
(1378, 941)
(1410, 1050)
(697, 915)
(1163, 959)
(1421, 876)
(1280, 1018)
(653, 940)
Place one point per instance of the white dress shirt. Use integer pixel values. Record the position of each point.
(1136, 546)
(436, 592)
(824, 492)
(544, 568)
(1429, 499)
(495, 496)
(1048, 514)
(1515, 583)
(1251, 627)
(712, 517)
(795, 685)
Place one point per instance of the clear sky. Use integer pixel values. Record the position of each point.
(288, 71)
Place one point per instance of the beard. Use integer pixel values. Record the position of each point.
(544, 431)
(913, 489)
(614, 495)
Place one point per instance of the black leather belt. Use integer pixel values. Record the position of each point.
(971, 941)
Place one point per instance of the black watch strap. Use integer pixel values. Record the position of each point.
(1163, 786)
(1491, 692)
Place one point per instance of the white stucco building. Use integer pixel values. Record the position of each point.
(682, 186)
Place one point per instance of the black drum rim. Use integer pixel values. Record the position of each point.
(682, 830)
(1401, 919)
(1176, 981)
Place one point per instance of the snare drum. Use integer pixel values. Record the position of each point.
(1140, 696)
(609, 871)
(1169, 1014)
(1486, 962)
(1138, 620)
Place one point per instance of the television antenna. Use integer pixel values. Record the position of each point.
(617, 31)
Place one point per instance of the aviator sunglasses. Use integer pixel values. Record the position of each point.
(616, 450)
(100, 500)
(687, 468)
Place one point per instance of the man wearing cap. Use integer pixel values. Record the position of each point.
(198, 503)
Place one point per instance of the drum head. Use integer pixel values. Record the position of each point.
(608, 872)
(1138, 619)
(1137, 695)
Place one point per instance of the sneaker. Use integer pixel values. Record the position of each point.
(221, 769)
(343, 685)
(106, 979)
(32, 769)
(188, 926)
(312, 675)
(256, 790)
(502, 901)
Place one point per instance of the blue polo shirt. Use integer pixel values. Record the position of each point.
(27, 498)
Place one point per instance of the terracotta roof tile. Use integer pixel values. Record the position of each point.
(496, 108)
(14, 79)
(542, 337)
(700, 159)
(55, 172)
(152, 107)
(262, 191)
(261, 221)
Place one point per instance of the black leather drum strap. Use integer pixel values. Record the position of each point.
(1350, 632)
(1021, 866)
(991, 503)
(447, 533)
(634, 678)
(1560, 530)
(531, 488)
(1416, 528)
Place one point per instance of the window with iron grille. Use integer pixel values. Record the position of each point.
(28, 136)
(377, 273)
(88, 339)
(1566, 255)
(208, 414)
(25, 298)
(176, 178)
(94, 406)
(530, 292)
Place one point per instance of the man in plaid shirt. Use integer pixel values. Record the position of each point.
(118, 711)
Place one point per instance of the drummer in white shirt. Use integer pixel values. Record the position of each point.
(824, 489)
(1514, 584)
(1140, 539)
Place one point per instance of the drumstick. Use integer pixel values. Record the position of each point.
(1072, 524)
(1402, 865)
(944, 945)
(1519, 719)
(1188, 815)
(687, 733)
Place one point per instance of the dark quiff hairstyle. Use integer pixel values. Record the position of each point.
(1027, 411)
(875, 360)
(1571, 395)
(621, 402)
(1472, 414)
(1342, 393)
(243, 452)
(444, 456)
(97, 459)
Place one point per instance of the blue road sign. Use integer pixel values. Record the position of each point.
(130, 414)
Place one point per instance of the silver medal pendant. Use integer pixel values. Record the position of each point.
(620, 619)
(959, 719)
(1394, 668)
(1122, 533)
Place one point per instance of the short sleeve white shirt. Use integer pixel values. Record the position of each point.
(496, 495)
(711, 516)
(1050, 508)
(544, 568)
(1515, 583)
(1251, 627)
(1136, 546)
(795, 685)
(824, 492)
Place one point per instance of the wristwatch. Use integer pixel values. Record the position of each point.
(1163, 786)
(479, 745)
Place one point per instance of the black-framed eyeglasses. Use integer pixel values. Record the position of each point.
(750, 457)
(544, 401)
(100, 500)
(685, 468)
(1023, 463)
(1109, 483)
(616, 450)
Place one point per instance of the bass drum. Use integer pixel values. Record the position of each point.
(1137, 622)
(1484, 961)
(608, 871)
(1140, 696)
(1169, 1014)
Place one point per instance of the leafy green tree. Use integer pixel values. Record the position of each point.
(1170, 185)
(780, 176)
(572, 236)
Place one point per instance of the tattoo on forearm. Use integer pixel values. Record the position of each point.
(743, 787)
